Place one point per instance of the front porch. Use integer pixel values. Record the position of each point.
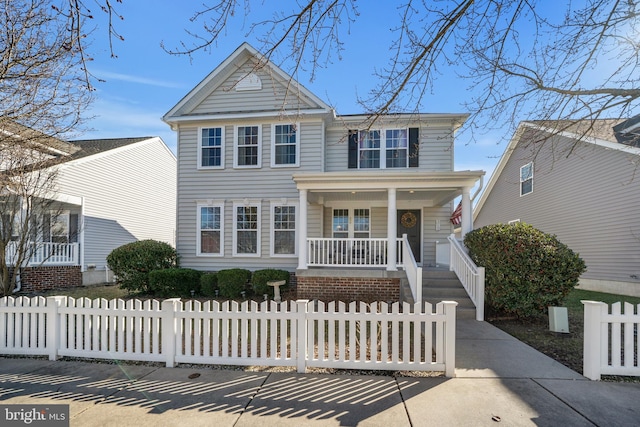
(46, 254)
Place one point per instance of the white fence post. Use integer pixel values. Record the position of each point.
(592, 338)
(302, 335)
(449, 338)
(53, 325)
(169, 330)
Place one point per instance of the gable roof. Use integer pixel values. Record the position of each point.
(599, 132)
(36, 140)
(89, 147)
(245, 52)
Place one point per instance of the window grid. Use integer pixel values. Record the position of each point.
(361, 223)
(340, 223)
(211, 150)
(210, 230)
(247, 229)
(284, 230)
(397, 143)
(248, 141)
(285, 141)
(369, 146)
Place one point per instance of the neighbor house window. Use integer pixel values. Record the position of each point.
(248, 146)
(285, 145)
(526, 179)
(246, 239)
(210, 231)
(211, 153)
(284, 230)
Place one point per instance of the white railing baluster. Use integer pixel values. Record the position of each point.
(470, 275)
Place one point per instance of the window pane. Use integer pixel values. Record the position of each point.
(340, 223)
(286, 155)
(210, 242)
(246, 229)
(526, 187)
(248, 145)
(247, 242)
(284, 225)
(284, 242)
(211, 147)
(526, 172)
(361, 220)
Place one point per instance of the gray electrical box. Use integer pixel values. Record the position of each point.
(558, 319)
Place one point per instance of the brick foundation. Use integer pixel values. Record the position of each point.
(43, 278)
(348, 289)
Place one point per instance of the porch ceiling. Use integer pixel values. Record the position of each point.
(427, 188)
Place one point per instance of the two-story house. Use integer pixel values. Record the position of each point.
(577, 180)
(269, 176)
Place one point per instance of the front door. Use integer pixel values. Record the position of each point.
(409, 223)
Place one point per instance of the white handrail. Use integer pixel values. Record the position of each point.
(470, 275)
(414, 273)
(47, 253)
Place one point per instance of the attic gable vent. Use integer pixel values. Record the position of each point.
(249, 82)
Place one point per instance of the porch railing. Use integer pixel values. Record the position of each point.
(46, 253)
(470, 275)
(344, 252)
(414, 273)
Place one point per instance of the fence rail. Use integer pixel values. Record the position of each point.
(611, 340)
(470, 275)
(295, 333)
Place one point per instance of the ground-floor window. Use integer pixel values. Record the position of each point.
(343, 218)
(210, 231)
(246, 233)
(284, 230)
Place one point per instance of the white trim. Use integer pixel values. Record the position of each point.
(296, 164)
(219, 205)
(235, 147)
(200, 147)
(235, 252)
(272, 205)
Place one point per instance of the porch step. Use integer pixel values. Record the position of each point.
(443, 285)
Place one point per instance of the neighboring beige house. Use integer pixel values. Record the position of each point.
(581, 182)
(269, 176)
(109, 192)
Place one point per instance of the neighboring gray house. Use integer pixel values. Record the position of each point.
(579, 181)
(109, 192)
(269, 176)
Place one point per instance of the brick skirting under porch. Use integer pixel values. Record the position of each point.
(348, 285)
(43, 278)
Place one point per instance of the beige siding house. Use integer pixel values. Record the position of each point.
(580, 182)
(269, 176)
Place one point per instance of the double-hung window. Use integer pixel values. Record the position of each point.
(383, 149)
(284, 230)
(210, 230)
(211, 152)
(526, 179)
(246, 227)
(248, 150)
(285, 147)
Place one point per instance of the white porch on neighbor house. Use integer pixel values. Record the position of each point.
(391, 189)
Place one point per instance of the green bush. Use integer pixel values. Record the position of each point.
(526, 270)
(208, 284)
(175, 282)
(233, 281)
(131, 263)
(260, 278)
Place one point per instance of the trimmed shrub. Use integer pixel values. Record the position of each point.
(208, 284)
(175, 282)
(233, 281)
(526, 270)
(260, 278)
(131, 263)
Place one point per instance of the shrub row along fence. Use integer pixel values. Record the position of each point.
(302, 333)
(611, 340)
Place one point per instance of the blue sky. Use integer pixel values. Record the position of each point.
(144, 82)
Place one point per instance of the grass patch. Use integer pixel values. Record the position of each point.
(107, 291)
(566, 348)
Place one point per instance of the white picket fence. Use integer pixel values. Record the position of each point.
(611, 340)
(299, 333)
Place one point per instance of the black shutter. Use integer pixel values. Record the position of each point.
(73, 228)
(353, 149)
(414, 147)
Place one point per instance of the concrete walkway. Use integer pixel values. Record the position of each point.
(499, 381)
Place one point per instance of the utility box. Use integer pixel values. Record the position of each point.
(558, 319)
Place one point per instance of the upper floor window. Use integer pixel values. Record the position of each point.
(284, 145)
(211, 153)
(210, 231)
(248, 146)
(526, 179)
(383, 149)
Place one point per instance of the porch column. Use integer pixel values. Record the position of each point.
(467, 215)
(302, 232)
(392, 229)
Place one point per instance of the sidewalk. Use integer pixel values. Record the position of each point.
(498, 380)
